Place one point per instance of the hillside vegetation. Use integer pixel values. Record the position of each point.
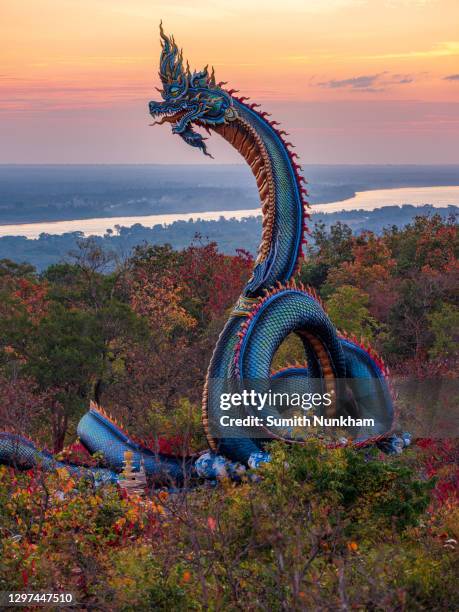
(315, 528)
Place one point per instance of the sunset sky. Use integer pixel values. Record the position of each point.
(353, 81)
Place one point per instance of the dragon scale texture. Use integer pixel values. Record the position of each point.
(271, 305)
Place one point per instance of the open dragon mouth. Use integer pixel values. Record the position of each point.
(182, 116)
(170, 116)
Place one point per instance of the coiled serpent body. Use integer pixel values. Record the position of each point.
(271, 305)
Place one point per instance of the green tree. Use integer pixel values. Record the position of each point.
(64, 353)
(328, 249)
(444, 325)
(348, 309)
(14, 269)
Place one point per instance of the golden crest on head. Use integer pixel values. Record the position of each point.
(171, 61)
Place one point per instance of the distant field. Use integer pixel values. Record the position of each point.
(58, 193)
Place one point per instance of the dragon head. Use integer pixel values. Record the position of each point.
(188, 98)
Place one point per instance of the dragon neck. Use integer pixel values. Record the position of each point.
(281, 191)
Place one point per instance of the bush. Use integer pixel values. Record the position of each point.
(313, 529)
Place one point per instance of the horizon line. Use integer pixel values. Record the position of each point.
(210, 165)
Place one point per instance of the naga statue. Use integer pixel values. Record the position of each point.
(271, 306)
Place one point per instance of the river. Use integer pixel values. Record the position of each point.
(363, 200)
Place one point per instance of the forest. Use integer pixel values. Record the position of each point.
(229, 234)
(314, 529)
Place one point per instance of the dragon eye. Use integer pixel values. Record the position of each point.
(174, 91)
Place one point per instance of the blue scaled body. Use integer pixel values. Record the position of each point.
(271, 306)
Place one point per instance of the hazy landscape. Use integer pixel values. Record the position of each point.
(52, 194)
(32, 193)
